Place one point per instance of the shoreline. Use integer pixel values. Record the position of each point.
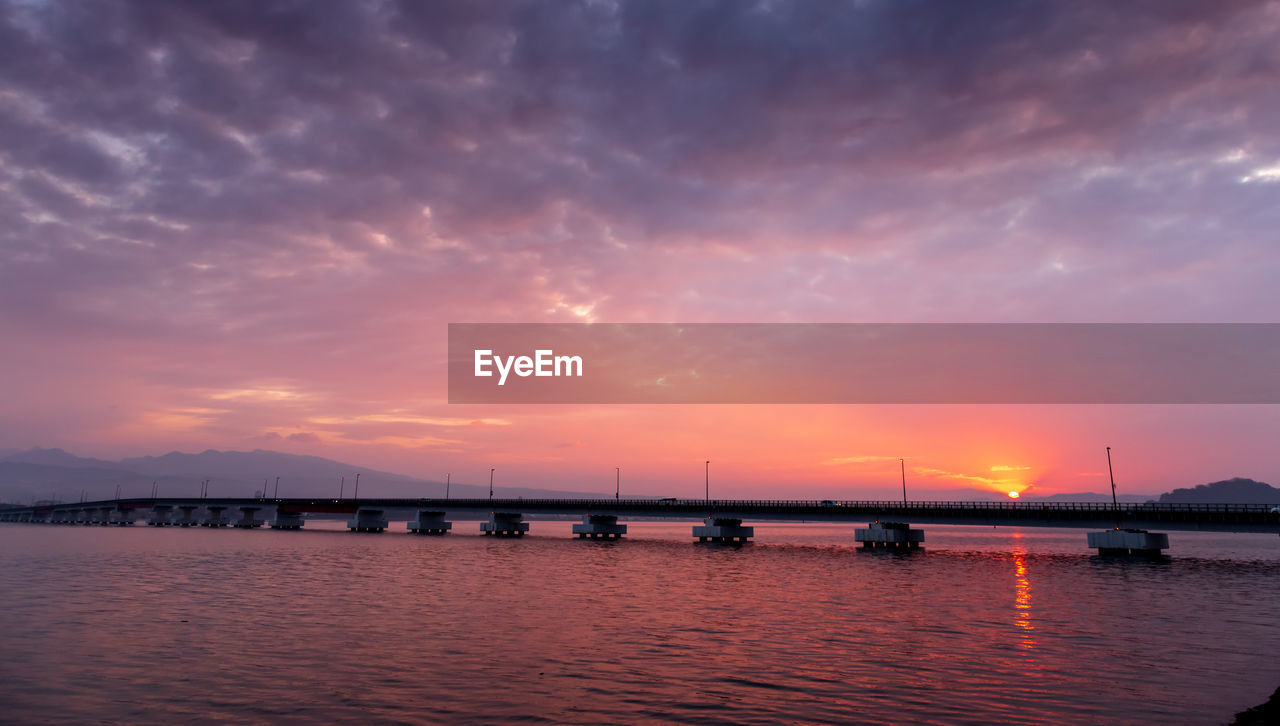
(1263, 714)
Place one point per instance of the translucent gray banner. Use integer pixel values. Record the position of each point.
(863, 363)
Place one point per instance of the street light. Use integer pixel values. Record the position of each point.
(276, 494)
(357, 494)
(447, 475)
(491, 485)
(708, 482)
(342, 483)
(617, 491)
(903, 463)
(1115, 506)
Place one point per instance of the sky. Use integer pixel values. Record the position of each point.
(247, 225)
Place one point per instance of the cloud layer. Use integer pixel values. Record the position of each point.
(245, 219)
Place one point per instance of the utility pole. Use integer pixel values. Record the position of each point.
(1115, 505)
(903, 463)
(707, 483)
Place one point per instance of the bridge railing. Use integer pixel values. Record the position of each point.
(743, 505)
(826, 504)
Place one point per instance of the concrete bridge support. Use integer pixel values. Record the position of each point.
(889, 535)
(368, 520)
(186, 516)
(599, 526)
(215, 516)
(1129, 542)
(248, 518)
(123, 517)
(429, 523)
(720, 529)
(287, 520)
(505, 524)
(160, 516)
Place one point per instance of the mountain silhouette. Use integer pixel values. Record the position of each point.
(1228, 491)
(42, 474)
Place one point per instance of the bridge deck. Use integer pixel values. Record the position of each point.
(1207, 517)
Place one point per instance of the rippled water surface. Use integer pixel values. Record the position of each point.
(1021, 626)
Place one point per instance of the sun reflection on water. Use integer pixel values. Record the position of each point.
(1022, 602)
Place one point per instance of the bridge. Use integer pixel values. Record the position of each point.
(1125, 528)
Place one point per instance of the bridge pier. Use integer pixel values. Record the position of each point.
(504, 524)
(287, 520)
(247, 519)
(1129, 542)
(186, 516)
(429, 523)
(367, 520)
(889, 535)
(214, 516)
(160, 516)
(599, 526)
(722, 529)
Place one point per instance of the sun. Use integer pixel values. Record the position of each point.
(1014, 495)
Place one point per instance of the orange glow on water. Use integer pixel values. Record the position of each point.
(1022, 602)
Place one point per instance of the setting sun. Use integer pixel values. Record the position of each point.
(1014, 495)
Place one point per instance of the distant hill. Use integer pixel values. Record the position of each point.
(43, 473)
(57, 457)
(1228, 491)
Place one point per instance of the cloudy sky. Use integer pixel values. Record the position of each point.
(247, 224)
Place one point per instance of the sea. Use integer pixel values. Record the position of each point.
(139, 625)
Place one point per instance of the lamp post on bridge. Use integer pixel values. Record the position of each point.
(447, 476)
(1115, 505)
(707, 483)
(903, 464)
(617, 486)
(490, 484)
(276, 493)
(357, 493)
(342, 483)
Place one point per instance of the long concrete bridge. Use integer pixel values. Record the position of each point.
(1124, 528)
